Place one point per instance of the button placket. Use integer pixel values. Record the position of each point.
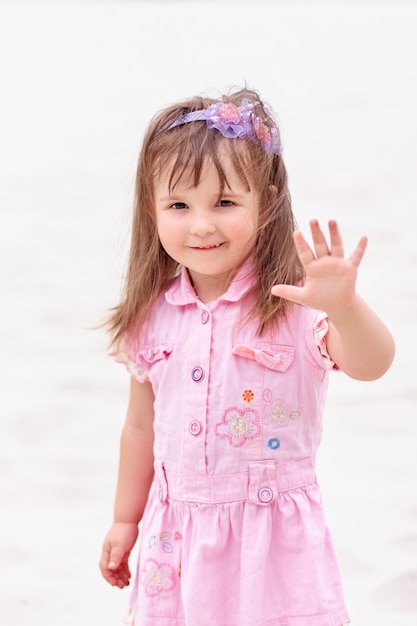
(196, 390)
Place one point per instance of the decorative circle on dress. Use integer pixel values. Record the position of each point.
(274, 443)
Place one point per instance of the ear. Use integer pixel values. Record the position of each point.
(273, 189)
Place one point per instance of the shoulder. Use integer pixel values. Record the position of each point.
(136, 334)
(298, 320)
(306, 330)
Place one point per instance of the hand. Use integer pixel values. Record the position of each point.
(117, 547)
(330, 279)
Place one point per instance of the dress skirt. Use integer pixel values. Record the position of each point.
(245, 549)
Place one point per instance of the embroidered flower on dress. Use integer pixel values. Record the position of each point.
(267, 395)
(274, 443)
(277, 412)
(167, 547)
(165, 539)
(280, 414)
(157, 578)
(238, 426)
(248, 395)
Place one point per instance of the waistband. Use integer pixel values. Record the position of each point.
(261, 483)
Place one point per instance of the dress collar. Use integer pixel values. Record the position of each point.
(181, 291)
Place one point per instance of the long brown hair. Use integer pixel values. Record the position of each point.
(185, 148)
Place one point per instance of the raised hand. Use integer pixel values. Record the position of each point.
(330, 279)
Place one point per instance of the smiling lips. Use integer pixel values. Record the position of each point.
(212, 247)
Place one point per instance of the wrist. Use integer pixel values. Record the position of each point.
(345, 311)
(125, 522)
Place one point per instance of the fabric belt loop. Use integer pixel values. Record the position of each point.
(262, 482)
(161, 482)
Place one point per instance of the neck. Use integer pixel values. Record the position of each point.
(208, 289)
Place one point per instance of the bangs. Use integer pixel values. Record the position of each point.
(185, 149)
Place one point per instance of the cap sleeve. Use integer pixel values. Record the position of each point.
(127, 353)
(321, 328)
(135, 370)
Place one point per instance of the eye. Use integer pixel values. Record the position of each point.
(178, 206)
(225, 203)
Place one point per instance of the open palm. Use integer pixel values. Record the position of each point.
(330, 278)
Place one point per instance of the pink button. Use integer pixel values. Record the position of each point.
(265, 495)
(195, 427)
(204, 317)
(197, 373)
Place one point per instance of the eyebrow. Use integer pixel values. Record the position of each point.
(178, 196)
(172, 198)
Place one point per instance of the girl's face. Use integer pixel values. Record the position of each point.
(210, 236)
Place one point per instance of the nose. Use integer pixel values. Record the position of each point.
(202, 225)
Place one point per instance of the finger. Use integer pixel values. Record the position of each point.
(125, 570)
(357, 255)
(104, 560)
(305, 253)
(122, 580)
(288, 292)
(115, 558)
(119, 577)
(320, 244)
(118, 580)
(336, 243)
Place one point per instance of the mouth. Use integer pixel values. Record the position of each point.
(207, 247)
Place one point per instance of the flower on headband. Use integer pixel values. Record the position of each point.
(229, 113)
(226, 118)
(261, 130)
(268, 137)
(235, 122)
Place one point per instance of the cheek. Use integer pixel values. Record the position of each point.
(169, 229)
(247, 228)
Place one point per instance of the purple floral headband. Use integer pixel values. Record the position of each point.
(233, 122)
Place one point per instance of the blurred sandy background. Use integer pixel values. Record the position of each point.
(78, 83)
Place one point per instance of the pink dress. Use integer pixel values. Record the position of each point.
(233, 532)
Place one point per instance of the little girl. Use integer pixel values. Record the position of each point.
(228, 327)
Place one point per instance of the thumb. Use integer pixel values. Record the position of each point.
(288, 292)
(115, 557)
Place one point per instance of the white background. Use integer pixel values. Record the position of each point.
(79, 81)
